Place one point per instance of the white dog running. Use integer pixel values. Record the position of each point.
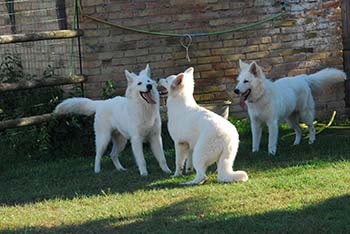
(195, 130)
(135, 117)
(289, 99)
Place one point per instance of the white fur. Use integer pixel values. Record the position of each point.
(199, 133)
(122, 118)
(288, 99)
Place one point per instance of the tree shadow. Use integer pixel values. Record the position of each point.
(331, 145)
(71, 178)
(195, 215)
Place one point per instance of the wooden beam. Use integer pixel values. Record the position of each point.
(39, 36)
(38, 83)
(28, 121)
(61, 14)
(12, 16)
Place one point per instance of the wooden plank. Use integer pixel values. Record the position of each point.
(22, 122)
(346, 43)
(48, 35)
(345, 11)
(345, 6)
(38, 83)
(346, 60)
(61, 14)
(10, 5)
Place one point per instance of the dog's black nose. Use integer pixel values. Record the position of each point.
(236, 91)
(149, 86)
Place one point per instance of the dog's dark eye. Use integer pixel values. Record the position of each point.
(245, 81)
(140, 83)
(148, 81)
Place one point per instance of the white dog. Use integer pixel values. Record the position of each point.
(135, 117)
(195, 130)
(288, 99)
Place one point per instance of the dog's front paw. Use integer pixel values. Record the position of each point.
(188, 183)
(97, 170)
(195, 182)
(119, 167)
(144, 173)
(272, 150)
(166, 169)
(177, 173)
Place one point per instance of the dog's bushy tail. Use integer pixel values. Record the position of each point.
(225, 171)
(233, 176)
(80, 106)
(325, 78)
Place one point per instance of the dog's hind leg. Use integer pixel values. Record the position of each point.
(136, 145)
(204, 154)
(308, 117)
(102, 140)
(293, 122)
(200, 167)
(157, 149)
(119, 143)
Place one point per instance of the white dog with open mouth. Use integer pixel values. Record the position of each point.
(199, 133)
(288, 99)
(135, 117)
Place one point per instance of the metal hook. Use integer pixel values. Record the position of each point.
(186, 43)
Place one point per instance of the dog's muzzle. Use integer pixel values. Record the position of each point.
(147, 96)
(163, 92)
(246, 94)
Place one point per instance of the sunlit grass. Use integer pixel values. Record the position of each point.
(304, 189)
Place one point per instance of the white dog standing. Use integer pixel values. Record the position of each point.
(288, 99)
(196, 130)
(135, 117)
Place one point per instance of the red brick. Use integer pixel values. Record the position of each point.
(211, 59)
(330, 4)
(306, 39)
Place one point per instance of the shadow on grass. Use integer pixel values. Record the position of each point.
(68, 179)
(71, 178)
(331, 145)
(74, 177)
(194, 215)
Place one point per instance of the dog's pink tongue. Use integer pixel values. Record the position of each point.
(149, 98)
(242, 102)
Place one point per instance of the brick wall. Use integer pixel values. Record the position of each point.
(307, 39)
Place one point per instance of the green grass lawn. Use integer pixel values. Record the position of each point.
(303, 189)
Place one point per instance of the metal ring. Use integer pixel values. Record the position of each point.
(186, 41)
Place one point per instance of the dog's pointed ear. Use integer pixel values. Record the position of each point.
(243, 65)
(178, 81)
(148, 70)
(189, 71)
(129, 76)
(254, 69)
